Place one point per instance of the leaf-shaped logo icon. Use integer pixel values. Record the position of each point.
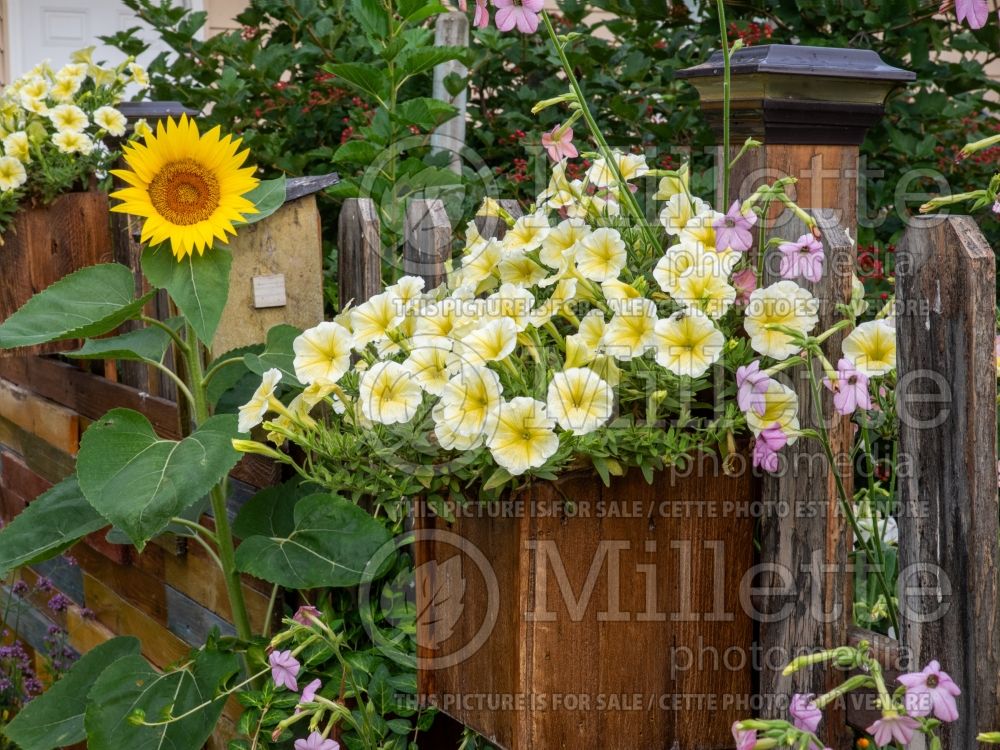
(442, 592)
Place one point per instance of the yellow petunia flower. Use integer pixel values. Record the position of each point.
(704, 287)
(111, 120)
(389, 393)
(373, 320)
(781, 407)
(431, 363)
(489, 343)
(68, 118)
(631, 331)
(71, 142)
(579, 400)
(564, 237)
(16, 145)
(871, 347)
(601, 255)
(322, 354)
(527, 234)
(784, 303)
(524, 437)
(518, 268)
(252, 412)
(688, 343)
(191, 188)
(471, 401)
(12, 174)
(679, 211)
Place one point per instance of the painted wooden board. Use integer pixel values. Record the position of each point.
(289, 244)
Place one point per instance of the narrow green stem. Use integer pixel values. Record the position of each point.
(202, 541)
(214, 369)
(179, 342)
(631, 204)
(223, 531)
(845, 501)
(181, 386)
(726, 95)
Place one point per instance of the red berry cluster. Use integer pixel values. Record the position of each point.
(754, 33)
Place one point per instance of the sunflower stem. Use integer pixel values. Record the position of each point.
(223, 531)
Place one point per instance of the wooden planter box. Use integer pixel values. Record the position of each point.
(659, 653)
(48, 242)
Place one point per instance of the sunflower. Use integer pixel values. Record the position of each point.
(190, 188)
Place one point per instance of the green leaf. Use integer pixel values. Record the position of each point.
(229, 377)
(413, 62)
(139, 481)
(146, 343)
(367, 79)
(331, 545)
(55, 718)
(89, 302)
(372, 17)
(357, 152)
(131, 685)
(278, 353)
(271, 512)
(51, 524)
(416, 11)
(199, 284)
(268, 197)
(425, 112)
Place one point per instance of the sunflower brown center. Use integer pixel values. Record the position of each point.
(184, 192)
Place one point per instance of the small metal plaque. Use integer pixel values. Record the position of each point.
(269, 291)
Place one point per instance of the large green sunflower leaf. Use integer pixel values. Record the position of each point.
(331, 545)
(132, 688)
(144, 344)
(51, 524)
(198, 284)
(55, 718)
(89, 302)
(268, 197)
(139, 481)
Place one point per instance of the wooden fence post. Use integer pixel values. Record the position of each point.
(811, 108)
(948, 523)
(805, 538)
(427, 240)
(451, 30)
(360, 251)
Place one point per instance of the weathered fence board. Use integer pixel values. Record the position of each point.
(360, 251)
(427, 234)
(804, 536)
(948, 523)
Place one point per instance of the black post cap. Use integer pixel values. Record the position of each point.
(787, 93)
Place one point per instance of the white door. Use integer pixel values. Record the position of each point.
(54, 29)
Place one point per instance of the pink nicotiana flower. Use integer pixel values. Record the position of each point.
(732, 231)
(931, 690)
(765, 448)
(996, 206)
(316, 741)
(522, 14)
(284, 669)
(804, 258)
(805, 715)
(304, 614)
(975, 12)
(560, 145)
(745, 282)
(482, 17)
(745, 738)
(751, 385)
(850, 392)
(893, 728)
(309, 693)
